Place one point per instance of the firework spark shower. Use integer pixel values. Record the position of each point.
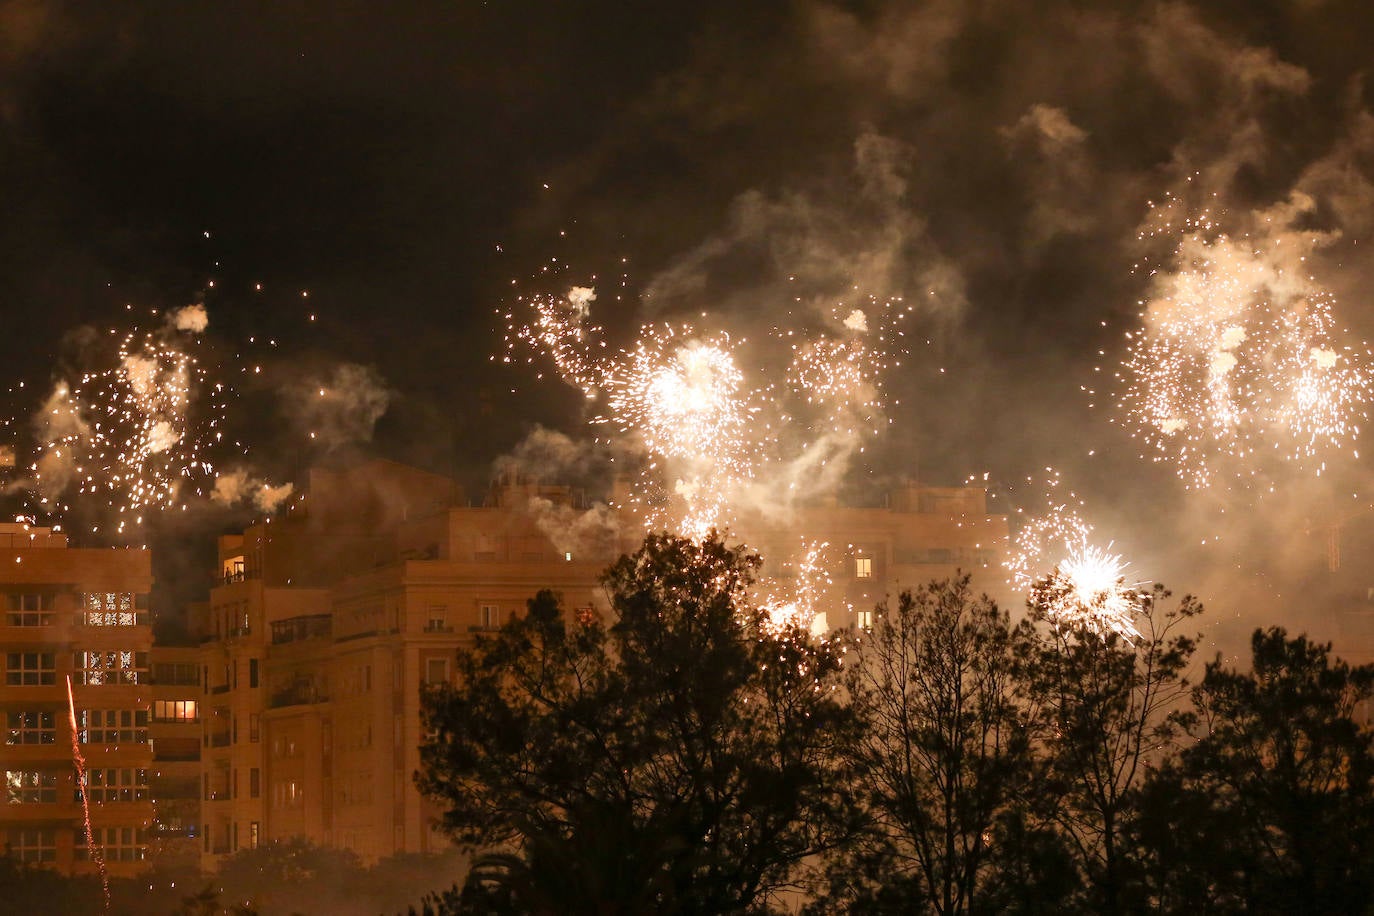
(1240, 361)
(722, 425)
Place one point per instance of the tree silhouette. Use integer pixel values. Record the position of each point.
(1107, 707)
(944, 754)
(1272, 809)
(680, 760)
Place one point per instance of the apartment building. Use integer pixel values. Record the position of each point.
(324, 625)
(75, 616)
(328, 618)
(174, 730)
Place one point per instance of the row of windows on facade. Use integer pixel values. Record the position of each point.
(117, 666)
(97, 726)
(38, 845)
(437, 621)
(102, 785)
(94, 609)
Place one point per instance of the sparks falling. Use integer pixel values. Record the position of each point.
(722, 422)
(1088, 590)
(1239, 359)
(798, 600)
(135, 433)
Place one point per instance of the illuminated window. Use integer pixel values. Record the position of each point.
(118, 844)
(115, 785)
(110, 666)
(863, 567)
(30, 787)
(567, 556)
(30, 669)
(253, 830)
(233, 570)
(32, 844)
(865, 620)
(176, 710)
(111, 609)
(30, 728)
(113, 726)
(586, 615)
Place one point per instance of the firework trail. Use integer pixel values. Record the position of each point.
(1239, 359)
(96, 851)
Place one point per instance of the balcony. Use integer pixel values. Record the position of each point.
(302, 694)
(219, 739)
(220, 688)
(295, 629)
(434, 627)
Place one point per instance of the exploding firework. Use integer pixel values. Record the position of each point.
(1239, 359)
(687, 403)
(798, 599)
(134, 433)
(721, 421)
(1053, 561)
(1088, 590)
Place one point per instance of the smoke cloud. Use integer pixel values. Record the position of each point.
(339, 408)
(241, 487)
(192, 318)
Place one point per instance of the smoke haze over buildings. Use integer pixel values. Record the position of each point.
(992, 164)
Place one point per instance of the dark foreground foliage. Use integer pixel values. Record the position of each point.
(684, 759)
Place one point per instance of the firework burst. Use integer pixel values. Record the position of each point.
(798, 599)
(1053, 561)
(1239, 358)
(722, 421)
(133, 434)
(1088, 590)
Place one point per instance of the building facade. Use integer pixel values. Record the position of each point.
(328, 620)
(75, 619)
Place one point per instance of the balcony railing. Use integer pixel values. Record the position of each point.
(309, 626)
(219, 739)
(297, 695)
(433, 627)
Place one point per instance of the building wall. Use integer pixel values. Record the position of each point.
(81, 614)
(347, 622)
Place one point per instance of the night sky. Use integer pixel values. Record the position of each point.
(404, 163)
